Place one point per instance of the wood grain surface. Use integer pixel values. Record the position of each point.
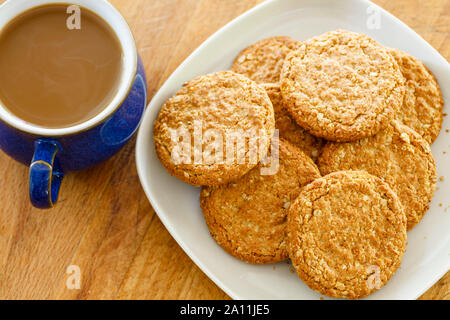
(103, 222)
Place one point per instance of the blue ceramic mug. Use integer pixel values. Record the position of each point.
(51, 153)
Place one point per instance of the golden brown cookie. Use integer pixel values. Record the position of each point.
(341, 86)
(422, 105)
(263, 60)
(399, 156)
(346, 234)
(209, 113)
(288, 128)
(248, 217)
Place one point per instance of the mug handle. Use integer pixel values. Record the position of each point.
(45, 174)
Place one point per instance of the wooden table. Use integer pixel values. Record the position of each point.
(103, 222)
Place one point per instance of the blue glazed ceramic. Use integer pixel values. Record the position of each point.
(51, 153)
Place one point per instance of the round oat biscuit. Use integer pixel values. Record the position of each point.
(346, 234)
(399, 156)
(288, 128)
(263, 60)
(248, 217)
(209, 113)
(342, 86)
(422, 105)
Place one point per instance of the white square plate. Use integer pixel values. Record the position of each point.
(177, 204)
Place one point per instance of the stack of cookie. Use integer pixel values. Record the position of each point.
(354, 169)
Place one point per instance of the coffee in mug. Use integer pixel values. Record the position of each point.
(54, 76)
